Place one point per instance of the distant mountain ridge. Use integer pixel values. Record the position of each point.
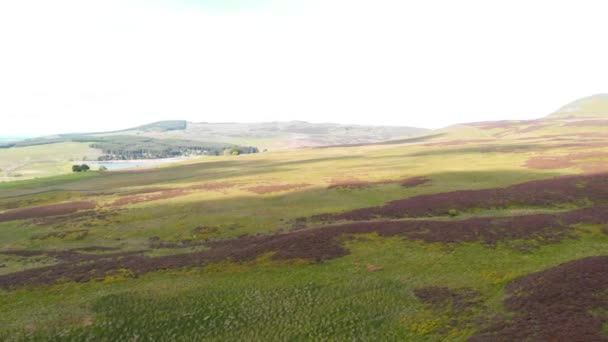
(271, 135)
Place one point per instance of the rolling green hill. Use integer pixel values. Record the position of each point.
(595, 106)
(493, 231)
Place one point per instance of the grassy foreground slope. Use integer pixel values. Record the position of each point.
(500, 237)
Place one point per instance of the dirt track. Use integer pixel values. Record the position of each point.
(46, 211)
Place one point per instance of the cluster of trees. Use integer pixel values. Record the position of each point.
(80, 168)
(130, 147)
(238, 150)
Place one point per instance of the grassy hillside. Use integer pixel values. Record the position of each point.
(595, 106)
(585, 120)
(487, 231)
(166, 139)
(42, 160)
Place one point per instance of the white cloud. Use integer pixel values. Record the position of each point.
(95, 65)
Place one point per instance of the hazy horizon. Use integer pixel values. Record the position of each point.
(83, 66)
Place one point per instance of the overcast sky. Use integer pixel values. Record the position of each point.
(84, 65)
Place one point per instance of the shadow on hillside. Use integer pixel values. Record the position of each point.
(205, 171)
(285, 208)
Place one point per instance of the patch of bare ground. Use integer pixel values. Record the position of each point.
(540, 193)
(46, 210)
(374, 268)
(314, 244)
(157, 194)
(564, 303)
(270, 188)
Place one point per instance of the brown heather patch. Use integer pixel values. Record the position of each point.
(460, 142)
(355, 183)
(19, 204)
(95, 249)
(198, 237)
(494, 124)
(595, 168)
(213, 186)
(513, 127)
(564, 161)
(147, 191)
(588, 123)
(46, 210)
(564, 303)
(313, 244)
(348, 182)
(78, 234)
(455, 309)
(440, 297)
(532, 128)
(549, 163)
(72, 255)
(414, 182)
(74, 217)
(541, 193)
(574, 135)
(270, 188)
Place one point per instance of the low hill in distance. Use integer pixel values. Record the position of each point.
(584, 120)
(274, 135)
(50, 155)
(595, 106)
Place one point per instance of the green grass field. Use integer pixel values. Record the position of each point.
(371, 289)
(43, 160)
